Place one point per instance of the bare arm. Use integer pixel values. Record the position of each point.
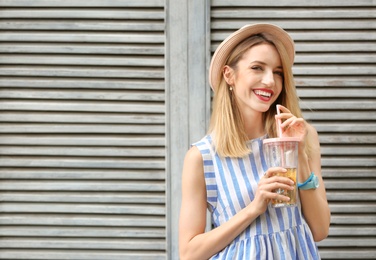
(314, 202)
(194, 243)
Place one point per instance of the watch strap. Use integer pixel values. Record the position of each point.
(310, 183)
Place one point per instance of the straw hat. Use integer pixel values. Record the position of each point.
(225, 48)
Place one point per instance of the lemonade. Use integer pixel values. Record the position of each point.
(291, 174)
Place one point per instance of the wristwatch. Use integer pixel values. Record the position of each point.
(311, 183)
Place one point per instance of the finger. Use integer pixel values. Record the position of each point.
(273, 171)
(278, 197)
(281, 180)
(284, 109)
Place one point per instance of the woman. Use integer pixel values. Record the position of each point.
(251, 72)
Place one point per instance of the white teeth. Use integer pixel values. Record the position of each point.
(262, 93)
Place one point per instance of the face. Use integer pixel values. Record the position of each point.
(257, 79)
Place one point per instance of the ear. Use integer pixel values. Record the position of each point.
(228, 75)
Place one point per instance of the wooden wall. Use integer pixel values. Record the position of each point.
(99, 101)
(83, 129)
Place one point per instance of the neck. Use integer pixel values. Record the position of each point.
(254, 126)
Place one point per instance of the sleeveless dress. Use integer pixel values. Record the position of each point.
(231, 183)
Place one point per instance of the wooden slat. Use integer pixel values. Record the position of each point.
(82, 140)
(360, 46)
(77, 106)
(53, 25)
(349, 242)
(82, 60)
(283, 13)
(358, 195)
(102, 118)
(329, 40)
(69, 208)
(347, 138)
(87, 13)
(83, 48)
(293, 3)
(114, 37)
(341, 127)
(79, 140)
(348, 253)
(152, 195)
(82, 220)
(323, 69)
(338, 105)
(45, 231)
(75, 3)
(345, 172)
(81, 174)
(73, 94)
(292, 24)
(344, 82)
(74, 244)
(359, 207)
(73, 84)
(352, 219)
(81, 128)
(74, 162)
(350, 150)
(82, 254)
(305, 92)
(352, 230)
(89, 106)
(355, 183)
(349, 161)
(90, 72)
(340, 116)
(331, 58)
(84, 185)
(103, 152)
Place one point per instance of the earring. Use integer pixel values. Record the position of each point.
(230, 88)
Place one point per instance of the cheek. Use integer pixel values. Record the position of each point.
(279, 86)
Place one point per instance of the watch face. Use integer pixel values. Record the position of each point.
(316, 181)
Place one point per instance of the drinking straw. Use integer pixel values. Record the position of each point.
(279, 128)
(279, 131)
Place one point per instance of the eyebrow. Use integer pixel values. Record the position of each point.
(263, 63)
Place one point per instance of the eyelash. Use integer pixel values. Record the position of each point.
(279, 73)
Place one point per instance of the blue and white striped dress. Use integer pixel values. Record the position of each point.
(231, 183)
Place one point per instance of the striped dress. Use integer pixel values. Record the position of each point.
(231, 183)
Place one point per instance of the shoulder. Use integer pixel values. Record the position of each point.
(193, 155)
(193, 169)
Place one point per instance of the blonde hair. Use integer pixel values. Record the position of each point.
(227, 124)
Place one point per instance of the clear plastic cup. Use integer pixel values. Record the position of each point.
(283, 152)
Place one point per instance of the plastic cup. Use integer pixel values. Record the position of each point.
(283, 152)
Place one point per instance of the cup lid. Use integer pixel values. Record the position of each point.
(281, 139)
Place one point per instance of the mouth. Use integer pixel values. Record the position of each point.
(263, 94)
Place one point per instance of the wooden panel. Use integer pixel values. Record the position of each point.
(335, 74)
(83, 130)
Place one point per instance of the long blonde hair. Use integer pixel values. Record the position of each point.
(227, 123)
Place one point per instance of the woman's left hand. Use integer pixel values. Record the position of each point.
(291, 125)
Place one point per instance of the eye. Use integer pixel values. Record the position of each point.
(279, 73)
(256, 67)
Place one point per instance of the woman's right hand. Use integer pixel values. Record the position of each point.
(266, 187)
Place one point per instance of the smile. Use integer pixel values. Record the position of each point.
(263, 93)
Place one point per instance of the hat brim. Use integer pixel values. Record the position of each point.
(224, 49)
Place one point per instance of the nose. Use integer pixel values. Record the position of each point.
(268, 79)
